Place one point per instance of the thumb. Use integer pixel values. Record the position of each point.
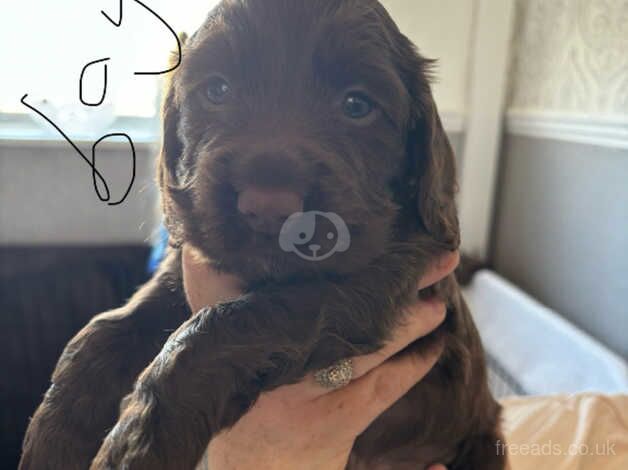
(204, 286)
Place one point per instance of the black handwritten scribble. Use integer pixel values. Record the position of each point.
(175, 37)
(104, 89)
(97, 178)
(156, 15)
(94, 171)
(115, 23)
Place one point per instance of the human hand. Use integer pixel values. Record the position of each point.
(304, 425)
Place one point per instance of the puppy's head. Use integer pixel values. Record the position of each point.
(284, 107)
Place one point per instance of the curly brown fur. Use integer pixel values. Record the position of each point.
(391, 179)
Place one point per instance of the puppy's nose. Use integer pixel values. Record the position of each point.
(265, 209)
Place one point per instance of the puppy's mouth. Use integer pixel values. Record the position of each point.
(261, 230)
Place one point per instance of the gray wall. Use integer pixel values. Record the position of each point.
(561, 231)
(47, 195)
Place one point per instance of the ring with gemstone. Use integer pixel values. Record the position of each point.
(335, 376)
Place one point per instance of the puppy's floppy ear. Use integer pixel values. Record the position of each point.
(173, 196)
(433, 166)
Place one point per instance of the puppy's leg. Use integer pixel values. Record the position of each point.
(98, 368)
(215, 366)
(210, 371)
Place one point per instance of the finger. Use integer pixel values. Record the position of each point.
(362, 401)
(422, 318)
(437, 467)
(443, 267)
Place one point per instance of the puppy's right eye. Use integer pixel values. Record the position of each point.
(217, 90)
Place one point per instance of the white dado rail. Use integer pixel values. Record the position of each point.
(582, 129)
(566, 81)
(569, 74)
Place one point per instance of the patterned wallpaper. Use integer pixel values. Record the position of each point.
(571, 56)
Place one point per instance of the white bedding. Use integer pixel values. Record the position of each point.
(544, 352)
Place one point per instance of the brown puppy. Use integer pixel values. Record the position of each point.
(282, 106)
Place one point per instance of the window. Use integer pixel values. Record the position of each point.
(45, 46)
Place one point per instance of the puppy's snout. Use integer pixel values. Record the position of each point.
(266, 209)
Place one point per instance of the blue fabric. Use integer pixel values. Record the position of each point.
(158, 252)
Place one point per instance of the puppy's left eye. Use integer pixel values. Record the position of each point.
(217, 90)
(357, 105)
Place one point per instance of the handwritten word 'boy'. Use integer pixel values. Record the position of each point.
(97, 178)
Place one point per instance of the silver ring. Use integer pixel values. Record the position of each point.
(335, 376)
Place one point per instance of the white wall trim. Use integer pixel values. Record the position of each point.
(488, 81)
(582, 129)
